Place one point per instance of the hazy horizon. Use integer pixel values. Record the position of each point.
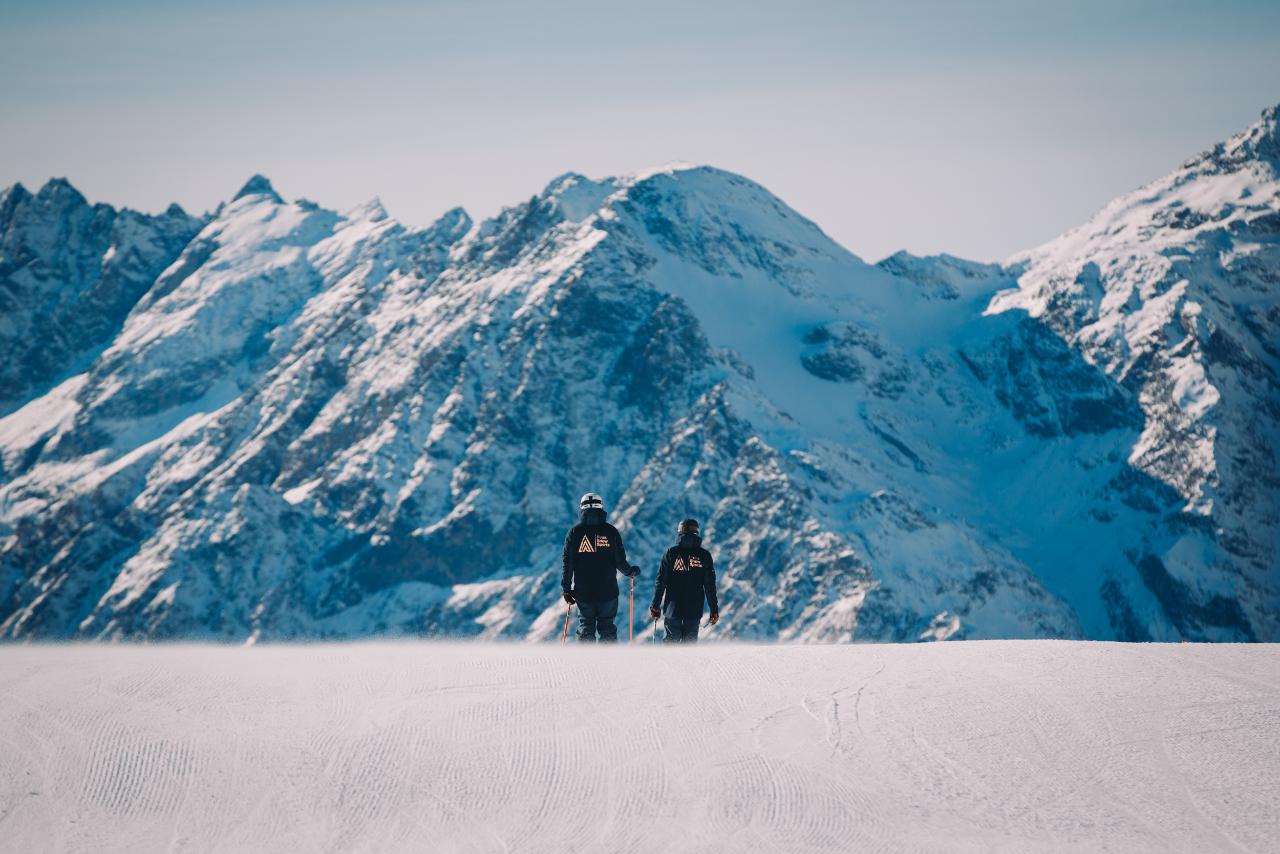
(978, 132)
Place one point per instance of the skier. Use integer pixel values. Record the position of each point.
(686, 579)
(592, 552)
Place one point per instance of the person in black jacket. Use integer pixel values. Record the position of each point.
(593, 552)
(686, 580)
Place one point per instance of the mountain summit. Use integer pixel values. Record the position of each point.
(258, 185)
(299, 423)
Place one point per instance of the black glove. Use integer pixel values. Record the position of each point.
(568, 597)
(632, 571)
(655, 613)
(715, 617)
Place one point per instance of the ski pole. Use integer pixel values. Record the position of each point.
(564, 637)
(631, 612)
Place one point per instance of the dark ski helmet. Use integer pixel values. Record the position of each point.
(591, 501)
(687, 526)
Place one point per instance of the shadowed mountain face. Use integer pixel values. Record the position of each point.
(69, 274)
(282, 421)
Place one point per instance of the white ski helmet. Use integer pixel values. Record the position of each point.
(591, 501)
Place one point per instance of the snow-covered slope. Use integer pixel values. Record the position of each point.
(323, 424)
(989, 746)
(1174, 291)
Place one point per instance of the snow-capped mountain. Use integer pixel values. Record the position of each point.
(1174, 291)
(305, 423)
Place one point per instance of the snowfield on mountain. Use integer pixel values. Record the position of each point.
(996, 745)
(278, 421)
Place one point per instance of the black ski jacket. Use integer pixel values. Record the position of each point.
(593, 555)
(686, 580)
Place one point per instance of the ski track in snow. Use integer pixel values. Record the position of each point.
(1010, 745)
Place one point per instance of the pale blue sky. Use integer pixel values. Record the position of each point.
(977, 129)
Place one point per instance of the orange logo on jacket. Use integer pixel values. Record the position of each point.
(585, 547)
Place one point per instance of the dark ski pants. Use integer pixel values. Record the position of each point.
(598, 617)
(681, 631)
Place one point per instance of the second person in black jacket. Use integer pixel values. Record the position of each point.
(686, 581)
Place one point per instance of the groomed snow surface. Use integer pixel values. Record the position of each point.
(1001, 745)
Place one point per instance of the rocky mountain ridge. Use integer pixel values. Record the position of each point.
(281, 421)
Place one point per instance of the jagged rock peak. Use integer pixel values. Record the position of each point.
(946, 276)
(1257, 143)
(60, 189)
(258, 185)
(563, 181)
(1262, 138)
(576, 196)
(370, 211)
(454, 215)
(453, 221)
(16, 191)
